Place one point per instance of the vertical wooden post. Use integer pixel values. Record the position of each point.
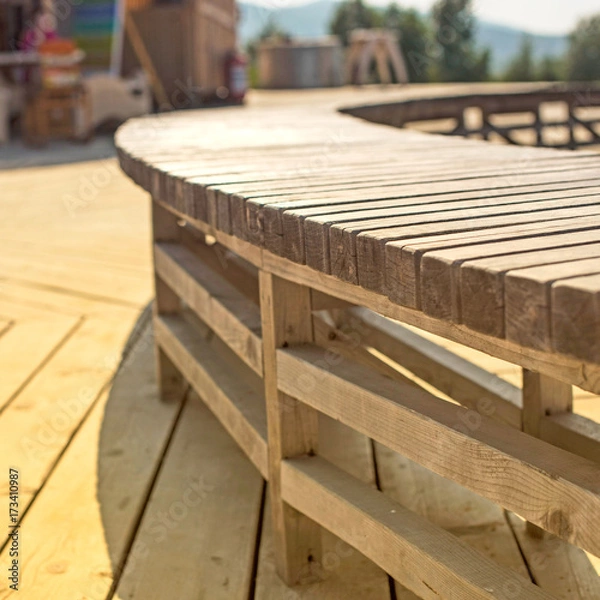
(539, 126)
(542, 396)
(292, 426)
(166, 229)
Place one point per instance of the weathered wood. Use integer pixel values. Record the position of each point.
(228, 313)
(543, 397)
(572, 432)
(183, 530)
(343, 572)
(585, 375)
(463, 381)
(166, 229)
(528, 298)
(218, 376)
(474, 520)
(292, 425)
(432, 559)
(338, 213)
(403, 258)
(576, 317)
(558, 491)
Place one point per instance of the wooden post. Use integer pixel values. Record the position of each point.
(539, 126)
(166, 229)
(292, 426)
(542, 396)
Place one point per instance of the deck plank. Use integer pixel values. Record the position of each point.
(37, 341)
(76, 533)
(39, 422)
(198, 534)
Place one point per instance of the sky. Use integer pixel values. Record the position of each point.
(536, 16)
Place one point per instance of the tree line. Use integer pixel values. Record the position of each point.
(442, 47)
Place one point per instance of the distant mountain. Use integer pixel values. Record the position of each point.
(306, 20)
(312, 20)
(506, 41)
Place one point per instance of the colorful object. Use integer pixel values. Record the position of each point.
(60, 63)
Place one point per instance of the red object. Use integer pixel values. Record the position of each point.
(236, 74)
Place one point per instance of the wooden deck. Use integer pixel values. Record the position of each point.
(123, 496)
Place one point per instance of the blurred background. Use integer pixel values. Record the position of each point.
(71, 68)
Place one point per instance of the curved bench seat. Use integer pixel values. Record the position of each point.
(500, 240)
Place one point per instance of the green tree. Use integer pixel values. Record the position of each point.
(522, 66)
(353, 14)
(583, 57)
(456, 57)
(413, 33)
(550, 68)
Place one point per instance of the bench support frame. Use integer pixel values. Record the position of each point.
(303, 344)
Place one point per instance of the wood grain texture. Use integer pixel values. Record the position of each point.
(183, 545)
(454, 442)
(122, 440)
(218, 303)
(292, 425)
(432, 560)
(371, 206)
(236, 400)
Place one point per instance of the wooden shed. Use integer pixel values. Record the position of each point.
(182, 44)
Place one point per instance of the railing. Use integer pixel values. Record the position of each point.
(558, 117)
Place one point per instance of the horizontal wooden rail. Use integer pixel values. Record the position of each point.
(572, 432)
(456, 377)
(218, 376)
(552, 488)
(214, 300)
(428, 560)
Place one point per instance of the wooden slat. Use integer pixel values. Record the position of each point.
(456, 377)
(583, 374)
(342, 240)
(403, 258)
(198, 534)
(218, 303)
(576, 317)
(344, 572)
(549, 487)
(285, 220)
(249, 205)
(474, 275)
(232, 394)
(82, 521)
(426, 559)
(474, 520)
(572, 432)
(528, 298)
(314, 230)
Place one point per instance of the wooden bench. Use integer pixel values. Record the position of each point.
(301, 236)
